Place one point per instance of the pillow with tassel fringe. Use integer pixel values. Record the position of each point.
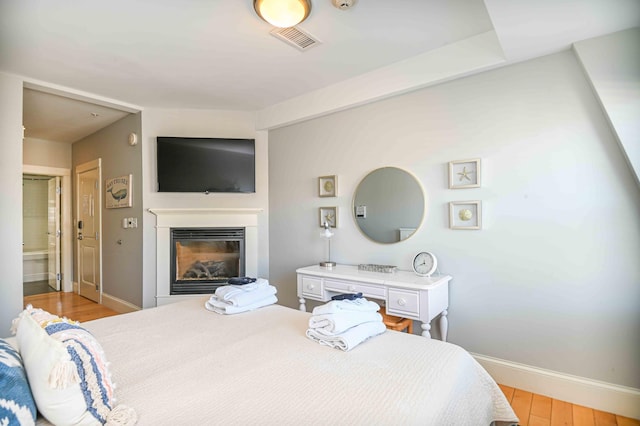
(68, 371)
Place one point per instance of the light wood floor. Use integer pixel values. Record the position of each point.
(69, 305)
(531, 409)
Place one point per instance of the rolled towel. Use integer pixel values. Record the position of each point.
(220, 307)
(228, 291)
(335, 306)
(350, 338)
(341, 321)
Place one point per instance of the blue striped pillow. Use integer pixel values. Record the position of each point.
(67, 370)
(16, 402)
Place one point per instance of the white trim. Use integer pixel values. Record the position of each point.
(159, 212)
(118, 305)
(66, 240)
(200, 217)
(602, 396)
(79, 95)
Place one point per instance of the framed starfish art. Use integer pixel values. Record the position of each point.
(464, 174)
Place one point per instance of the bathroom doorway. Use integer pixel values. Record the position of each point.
(46, 230)
(41, 234)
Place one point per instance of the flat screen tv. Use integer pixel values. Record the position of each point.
(206, 165)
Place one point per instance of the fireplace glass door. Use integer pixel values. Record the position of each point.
(205, 258)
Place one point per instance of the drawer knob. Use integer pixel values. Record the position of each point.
(310, 286)
(402, 302)
(352, 288)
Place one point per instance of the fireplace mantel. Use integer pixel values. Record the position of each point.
(168, 218)
(161, 211)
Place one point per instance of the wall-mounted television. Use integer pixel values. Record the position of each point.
(206, 165)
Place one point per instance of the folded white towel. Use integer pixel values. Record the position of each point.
(341, 321)
(223, 308)
(249, 297)
(350, 338)
(335, 306)
(228, 291)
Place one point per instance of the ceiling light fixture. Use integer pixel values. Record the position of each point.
(283, 13)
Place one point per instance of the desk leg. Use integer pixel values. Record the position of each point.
(425, 329)
(303, 305)
(444, 325)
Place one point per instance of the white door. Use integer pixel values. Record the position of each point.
(89, 226)
(53, 232)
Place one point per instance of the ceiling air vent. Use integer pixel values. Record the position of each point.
(295, 37)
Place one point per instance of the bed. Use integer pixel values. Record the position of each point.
(180, 364)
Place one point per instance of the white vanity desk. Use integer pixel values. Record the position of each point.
(405, 294)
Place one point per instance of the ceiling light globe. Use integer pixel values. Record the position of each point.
(282, 13)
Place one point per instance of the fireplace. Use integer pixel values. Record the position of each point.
(189, 218)
(202, 259)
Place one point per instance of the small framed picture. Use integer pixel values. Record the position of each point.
(465, 215)
(329, 215)
(327, 186)
(118, 192)
(464, 174)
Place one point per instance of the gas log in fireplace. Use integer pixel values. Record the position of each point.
(203, 259)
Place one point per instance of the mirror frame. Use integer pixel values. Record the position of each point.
(424, 204)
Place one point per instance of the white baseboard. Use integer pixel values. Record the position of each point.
(118, 305)
(112, 302)
(616, 399)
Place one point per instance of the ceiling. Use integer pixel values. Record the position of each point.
(215, 54)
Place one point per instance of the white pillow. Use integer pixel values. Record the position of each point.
(67, 370)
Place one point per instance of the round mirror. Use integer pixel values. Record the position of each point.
(388, 205)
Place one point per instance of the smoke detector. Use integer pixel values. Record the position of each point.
(343, 4)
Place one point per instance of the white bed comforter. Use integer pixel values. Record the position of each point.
(183, 365)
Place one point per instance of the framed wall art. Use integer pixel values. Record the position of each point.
(329, 215)
(118, 192)
(327, 186)
(464, 174)
(465, 215)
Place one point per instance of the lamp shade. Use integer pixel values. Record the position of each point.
(282, 13)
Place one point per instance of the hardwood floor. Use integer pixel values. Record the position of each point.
(538, 410)
(69, 305)
(531, 409)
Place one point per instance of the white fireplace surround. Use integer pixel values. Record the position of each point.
(200, 218)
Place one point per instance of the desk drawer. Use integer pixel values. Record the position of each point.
(403, 302)
(354, 287)
(312, 287)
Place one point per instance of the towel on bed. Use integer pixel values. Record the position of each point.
(341, 321)
(248, 297)
(350, 338)
(220, 307)
(228, 291)
(335, 306)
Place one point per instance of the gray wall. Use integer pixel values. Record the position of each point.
(11, 200)
(40, 152)
(121, 263)
(553, 278)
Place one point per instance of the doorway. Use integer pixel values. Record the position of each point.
(40, 234)
(47, 233)
(88, 197)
